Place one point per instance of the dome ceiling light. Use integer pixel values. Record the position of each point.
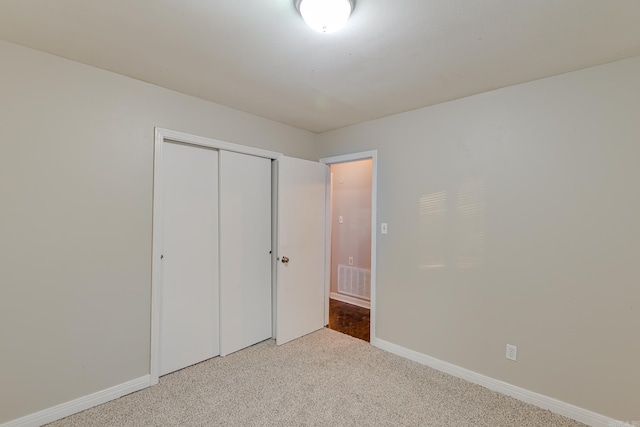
(325, 16)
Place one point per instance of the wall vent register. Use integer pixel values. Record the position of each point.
(354, 281)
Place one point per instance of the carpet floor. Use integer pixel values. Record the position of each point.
(323, 379)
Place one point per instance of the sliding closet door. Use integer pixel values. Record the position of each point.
(189, 328)
(245, 251)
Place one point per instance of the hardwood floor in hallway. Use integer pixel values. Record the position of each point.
(349, 319)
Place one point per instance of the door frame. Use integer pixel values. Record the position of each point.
(346, 158)
(162, 135)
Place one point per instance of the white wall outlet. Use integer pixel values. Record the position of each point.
(383, 228)
(512, 352)
(350, 260)
(340, 219)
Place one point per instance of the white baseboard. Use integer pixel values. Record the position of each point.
(545, 402)
(350, 300)
(69, 408)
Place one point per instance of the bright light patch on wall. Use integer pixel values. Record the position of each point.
(433, 230)
(470, 224)
(325, 16)
(444, 235)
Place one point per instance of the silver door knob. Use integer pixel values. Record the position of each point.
(285, 260)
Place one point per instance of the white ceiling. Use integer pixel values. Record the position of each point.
(258, 56)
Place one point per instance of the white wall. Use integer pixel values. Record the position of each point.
(513, 218)
(76, 169)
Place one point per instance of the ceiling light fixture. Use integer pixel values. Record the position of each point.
(325, 16)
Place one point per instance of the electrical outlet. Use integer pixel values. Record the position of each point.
(350, 260)
(512, 352)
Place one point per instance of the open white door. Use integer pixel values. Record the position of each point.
(301, 248)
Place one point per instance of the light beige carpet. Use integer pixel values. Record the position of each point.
(323, 379)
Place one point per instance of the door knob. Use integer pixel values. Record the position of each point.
(285, 260)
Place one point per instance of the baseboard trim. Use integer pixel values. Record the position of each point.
(545, 402)
(89, 401)
(350, 300)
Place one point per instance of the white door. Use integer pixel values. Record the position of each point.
(245, 251)
(301, 241)
(189, 323)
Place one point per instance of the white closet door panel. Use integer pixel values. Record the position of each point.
(189, 329)
(245, 246)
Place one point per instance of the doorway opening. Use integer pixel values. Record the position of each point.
(351, 228)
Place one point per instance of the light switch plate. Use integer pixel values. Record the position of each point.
(384, 228)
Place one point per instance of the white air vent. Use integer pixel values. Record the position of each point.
(354, 281)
